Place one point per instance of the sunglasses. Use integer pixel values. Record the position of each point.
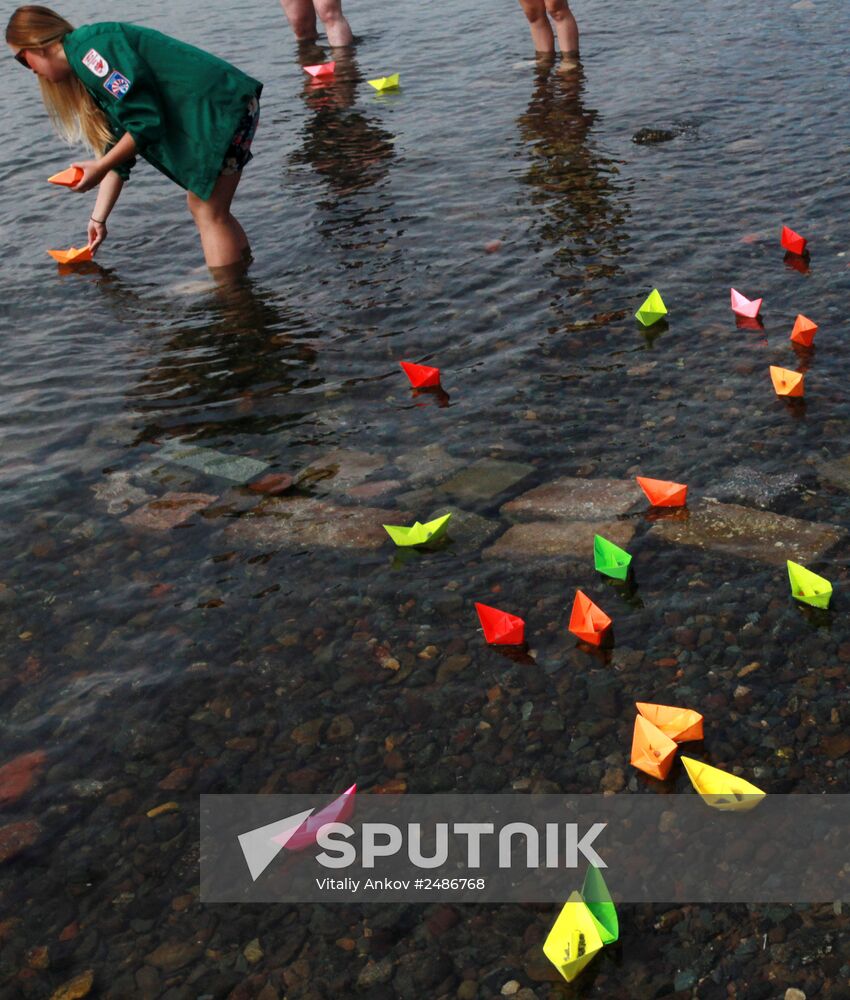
(22, 59)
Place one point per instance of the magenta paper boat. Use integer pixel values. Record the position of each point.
(305, 836)
(742, 306)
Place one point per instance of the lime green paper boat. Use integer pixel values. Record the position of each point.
(417, 533)
(574, 939)
(652, 310)
(385, 82)
(598, 899)
(808, 587)
(610, 559)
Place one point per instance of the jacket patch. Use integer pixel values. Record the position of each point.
(94, 61)
(117, 84)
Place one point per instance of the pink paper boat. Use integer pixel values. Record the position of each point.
(321, 69)
(742, 306)
(337, 811)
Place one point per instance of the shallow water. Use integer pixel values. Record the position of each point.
(152, 664)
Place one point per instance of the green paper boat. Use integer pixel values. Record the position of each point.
(418, 534)
(596, 896)
(808, 587)
(610, 559)
(652, 310)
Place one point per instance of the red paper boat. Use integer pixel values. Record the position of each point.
(742, 306)
(652, 750)
(587, 621)
(786, 382)
(500, 627)
(67, 178)
(793, 242)
(305, 836)
(660, 493)
(321, 69)
(804, 331)
(421, 376)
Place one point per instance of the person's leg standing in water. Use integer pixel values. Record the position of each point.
(302, 14)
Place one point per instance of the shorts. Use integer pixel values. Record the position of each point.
(239, 151)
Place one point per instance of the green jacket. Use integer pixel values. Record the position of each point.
(181, 104)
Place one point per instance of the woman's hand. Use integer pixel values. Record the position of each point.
(97, 233)
(93, 174)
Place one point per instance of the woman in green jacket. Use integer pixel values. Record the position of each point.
(128, 91)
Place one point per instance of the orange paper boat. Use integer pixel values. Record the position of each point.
(500, 627)
(652, 751)
(660, 493)
(786, 382)
(421, 376)
(72, 256)
(67, 178)
(321, 69)
(793, 242)
(804, 331)
(587, 621)
(742, 306)
(681, 724)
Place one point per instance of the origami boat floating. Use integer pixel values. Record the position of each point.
(421, 376)
(652, 751)
(610, 559)
(587, 621)
(742, 306)
(808, 587)
(574, 939)
(72, 256)
(500, 627)
(680, 724)
(67, 178)
(786, 382)
(598, 900)
(660, 493)
(417, 533)
(793, 242)
(385, 82)
(337, 811)
(722, 790)
(652, 310)
(321, 70)
(804, 331)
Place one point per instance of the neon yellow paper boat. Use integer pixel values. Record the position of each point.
(598, 900)
(574, 938)
(722, 790)
(808, 587)
(417, 533)
(652, 310)
(385, 82)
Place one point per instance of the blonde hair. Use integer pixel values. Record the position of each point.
(71, 108)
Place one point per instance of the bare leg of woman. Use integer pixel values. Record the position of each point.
(565, 25)
(302, 18)
(331, 16)
(541, 30)
(223, 240)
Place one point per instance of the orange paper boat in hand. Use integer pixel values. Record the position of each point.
(742, 306)
(421, 376)
(652, 751)
(786, 382)
(587, 621)
(660, 493)
(793, 242)
(681, 724)
(72, 256)
(804, 331)
(67, 178)
(500, 627)
(321, 70)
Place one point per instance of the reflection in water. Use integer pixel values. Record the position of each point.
(580, 208)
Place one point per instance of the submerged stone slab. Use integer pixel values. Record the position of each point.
(836, 472)
(564, 539)
(168, 511)
(466, 528)
(427, 465)
(575, 500)
(340, 469)
(743, 484)
(749, 534)
(236, 468)
(304, 522)
(486, 478)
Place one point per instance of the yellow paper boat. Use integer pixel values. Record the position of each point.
(808, 587)
(385, 82)
(722, 790)
(574, 938)
(417, 533)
